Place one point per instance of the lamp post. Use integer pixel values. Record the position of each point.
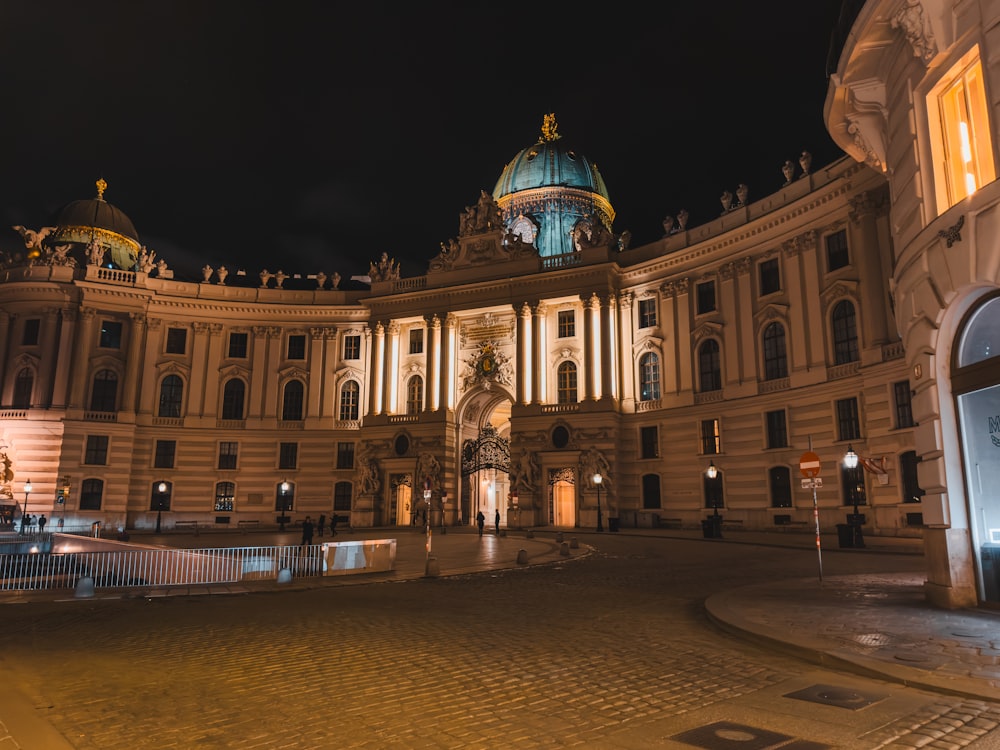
(712, 526)
(284, 504)
(712, 473)
(598, 479)
(853, 530)
(427, 519)
(24, 514)
(161, 490)
(851, 462)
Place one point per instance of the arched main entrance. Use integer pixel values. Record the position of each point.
(485, 456)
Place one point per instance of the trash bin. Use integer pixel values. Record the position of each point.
(613, 524)
(849, 536)
(711, 527)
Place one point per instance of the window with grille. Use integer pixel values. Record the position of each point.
(566, 320)
(836, 250)
(352, 347)
(297, 346)
(566, 380)
(345, 455)
(350, 394)
(705, 295)
(904, 406)
(848, 422)
(775, 357)
(96, 452)
(845, 333)
(292, 402)
(342, 496)
(709, 366)
(228, 451)
(288, 455)
(225, 496)
(649, 377)
(176, 340)
(414, 395)
(164, 454)
(647, 312)
(711, 437)
(777, 429)
(238, 345)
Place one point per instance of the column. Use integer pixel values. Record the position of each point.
(378, 371)
(210, 406)
(147, 383)
(314, 384)
(746, 339)
(392, 405)
(591, 347)
(49, 362)
(864, 244)
(609, 359)
(448, 349)
(258, 373)
(81, 358)
(133, 365)
(60, 387)
(684, 368)
(626, 338)
(434, 363)
(539, 358)
(523, 366)
(199, 361)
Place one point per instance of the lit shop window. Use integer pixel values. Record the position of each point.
(960, 133)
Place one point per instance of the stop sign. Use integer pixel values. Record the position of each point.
(809, 464)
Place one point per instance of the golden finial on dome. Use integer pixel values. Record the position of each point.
(549, 128)
(101, 187)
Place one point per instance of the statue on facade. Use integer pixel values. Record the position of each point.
(368, 472)
(95, 252)
(593, 462)
(524, 472)
(429, 468)
(146, 259)
(387, 269)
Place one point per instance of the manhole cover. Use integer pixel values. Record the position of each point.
(725, 735)
(873, 639)
(831, 695)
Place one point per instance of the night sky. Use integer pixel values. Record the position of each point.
(302, 136)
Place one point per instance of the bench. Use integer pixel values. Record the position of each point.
(186, 525)
(244, 525)
(670, 523)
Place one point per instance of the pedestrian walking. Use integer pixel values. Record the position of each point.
(481, 521)
(42, 520)
(307, 531)
(333, 524)
(498, 521)
(320, 524)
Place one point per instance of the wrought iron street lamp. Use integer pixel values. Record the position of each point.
(284, 504)
(24, 514)
(161, 490)
(712, 472)
(851, 463)
(598, 479)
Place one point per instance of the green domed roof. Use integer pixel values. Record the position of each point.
(85, 221)
(548, 193)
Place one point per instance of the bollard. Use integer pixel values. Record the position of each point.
(564, 549)
(559, 537)
(530, 534)
(573, 544)
(522, 557)
(284, 576)
(84, 588)
(432, 569)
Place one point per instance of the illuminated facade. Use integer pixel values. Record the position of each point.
(504, 378)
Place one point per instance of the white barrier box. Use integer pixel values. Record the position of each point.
(360, 556)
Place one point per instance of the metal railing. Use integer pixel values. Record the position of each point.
(27, 570)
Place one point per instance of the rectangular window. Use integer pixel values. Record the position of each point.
(416, 340)
(97, 450)
(777, 430)
(904, 406)
(836, 250)
(647, 312)
(770, 277)
(566, 323)
(848, 423)
(228, 450)
(960, 132)
(297, 346)
(706, 297)
(352, 347)
(176, 340)
(165, 452)
(345, 455)
(649, 437)
(238, 345)
(111, 334)
(30, 335)
(288, 455)
(711, 437)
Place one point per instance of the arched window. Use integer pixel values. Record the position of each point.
(104, 392)
(225, 495)
(780, 481)
(415, 395)
(775, 358)
(24, 384)
(567, 383)
(233, 396)
(91, 492)
(350, 395)
(845, 333)
(709, 368)
(650, 490)
(649, 377)
(171, 395)
(292, 401)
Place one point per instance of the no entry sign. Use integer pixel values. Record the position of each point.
(809, 465)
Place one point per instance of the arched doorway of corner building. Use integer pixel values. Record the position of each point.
(562, 497)
(975, 382)
(401, 507)
(484, 434)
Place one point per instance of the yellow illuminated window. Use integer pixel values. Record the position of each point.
(964, 147)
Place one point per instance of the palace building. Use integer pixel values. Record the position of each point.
(544, 368)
